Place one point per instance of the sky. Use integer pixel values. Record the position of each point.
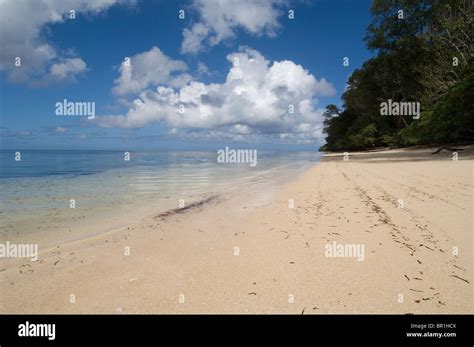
(237, 73)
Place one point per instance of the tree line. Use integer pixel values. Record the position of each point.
(424, 54)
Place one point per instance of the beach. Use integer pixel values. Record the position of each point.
(261, 250)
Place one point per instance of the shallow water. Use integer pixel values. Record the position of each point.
(37, 190)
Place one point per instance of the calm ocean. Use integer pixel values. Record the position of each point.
(39, 188)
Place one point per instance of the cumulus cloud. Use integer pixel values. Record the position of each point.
(22, 24)
(258, 97)
(220, 19)
(151, 68)
(68, 68)
(192, 38)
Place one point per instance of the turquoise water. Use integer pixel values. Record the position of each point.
(36, 163)
(41, 185)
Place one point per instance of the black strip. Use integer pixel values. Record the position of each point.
(223, 329)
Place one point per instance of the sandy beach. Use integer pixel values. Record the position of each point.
(255, 251)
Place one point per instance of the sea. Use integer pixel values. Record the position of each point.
(48, 189)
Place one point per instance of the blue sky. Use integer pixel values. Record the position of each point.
(79, 60)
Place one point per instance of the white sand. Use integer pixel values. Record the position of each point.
(281, 265)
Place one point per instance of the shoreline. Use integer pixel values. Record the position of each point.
(50, 227)
(405, 153)
(240, 255)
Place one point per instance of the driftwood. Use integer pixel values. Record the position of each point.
(452, 149)
(194, 205)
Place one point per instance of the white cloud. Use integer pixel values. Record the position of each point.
(21, 25)
(203, 69)
(151, 68)
(220, 19)
(256, 99)
(192, 38)
(68, 68)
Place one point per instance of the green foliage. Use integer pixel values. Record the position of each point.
(416, 133)
(389, 140)
(414, 62)
(451, 120)
(453, 116)
(366, 138)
